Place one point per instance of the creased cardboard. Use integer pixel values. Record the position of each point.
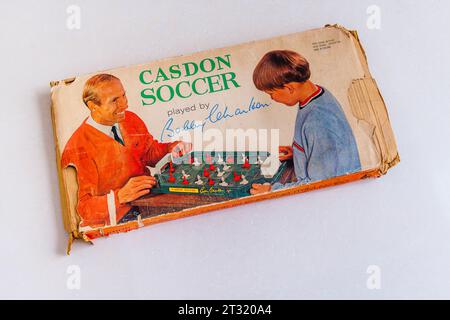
(340, 79)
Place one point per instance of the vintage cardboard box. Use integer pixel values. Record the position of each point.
(182, 136)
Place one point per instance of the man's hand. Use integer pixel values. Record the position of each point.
(260, 188)
(286, 152)
(135, 187)
(180, 148)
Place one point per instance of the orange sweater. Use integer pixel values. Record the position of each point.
(104, 165)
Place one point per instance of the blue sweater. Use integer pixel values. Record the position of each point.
(324, 145)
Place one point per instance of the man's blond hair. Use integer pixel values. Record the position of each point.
(90, 87)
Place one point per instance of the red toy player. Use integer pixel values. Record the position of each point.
(237, 177)
(172, 169)
(212, 167)
(246, 164)
(171, 178)
(205, 173)
(211, 182)
(185, 182)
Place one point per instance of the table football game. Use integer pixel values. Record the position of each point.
(224, 174)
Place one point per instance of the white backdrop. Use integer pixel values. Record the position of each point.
(315, 245)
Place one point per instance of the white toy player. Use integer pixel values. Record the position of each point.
(199, 181)
(244, 158)
(219, 159)
(225, 167)
(185, 175)
(220, 173)
(196, 163)
(244, 181)
(259, 161)
(223, 183)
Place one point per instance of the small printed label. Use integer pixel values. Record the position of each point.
(325, 44)
(184, 190)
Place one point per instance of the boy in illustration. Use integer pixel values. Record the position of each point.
(110, 151)
(324, 145)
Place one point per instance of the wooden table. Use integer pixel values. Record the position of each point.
(155, 204)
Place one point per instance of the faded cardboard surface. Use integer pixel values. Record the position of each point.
(342, 69)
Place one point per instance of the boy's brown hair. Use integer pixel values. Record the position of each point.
(280, 67)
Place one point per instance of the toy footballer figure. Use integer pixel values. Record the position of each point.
(324, 145)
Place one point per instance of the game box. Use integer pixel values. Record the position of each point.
(182, 136)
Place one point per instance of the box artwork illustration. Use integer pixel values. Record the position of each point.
(181, 136)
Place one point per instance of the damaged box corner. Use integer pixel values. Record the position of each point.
(67, 191)
(368, 106)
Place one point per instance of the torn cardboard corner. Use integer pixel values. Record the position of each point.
(68, 188)
(350, 81)
(368, 105)
(62, 82)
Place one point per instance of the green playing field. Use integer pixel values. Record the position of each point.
(229, 174)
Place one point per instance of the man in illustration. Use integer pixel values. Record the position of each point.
(324, 146)
(110, 151)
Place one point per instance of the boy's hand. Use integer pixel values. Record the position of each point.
(260, 188)
(286, 152)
